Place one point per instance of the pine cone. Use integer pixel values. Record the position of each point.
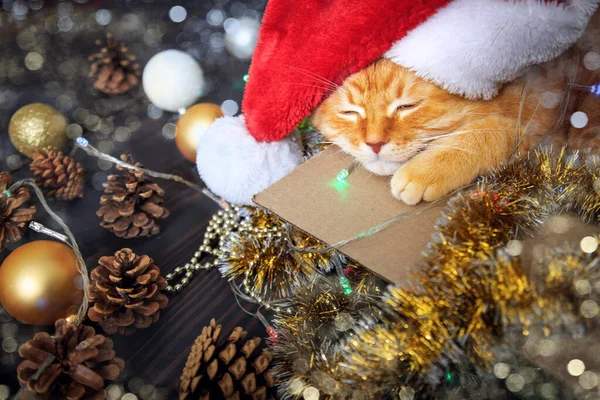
(125, 290)
(77, 362)
(131, 203)
(113, 68)
(60, 176)
(226, 369)
(13, 217)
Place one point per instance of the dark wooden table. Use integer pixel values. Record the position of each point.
(156, 354)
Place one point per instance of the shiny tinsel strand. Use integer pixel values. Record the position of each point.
(319, 310)
(307, 366)
(311, 324)
(261, 258)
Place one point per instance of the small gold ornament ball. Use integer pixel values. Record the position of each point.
(36, 127)
(192, 124)
(39, 283)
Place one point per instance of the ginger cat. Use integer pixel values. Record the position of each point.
(433, 142)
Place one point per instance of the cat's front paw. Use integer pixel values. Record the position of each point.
(413, 183)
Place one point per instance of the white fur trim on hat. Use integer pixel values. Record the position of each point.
(236, 167)
(471, 47)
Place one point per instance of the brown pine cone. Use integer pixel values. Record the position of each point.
(58, 175)
(77, 362)
(13, 216)
(113, 69)
(228, 369)
(131, 203)
(126, 292)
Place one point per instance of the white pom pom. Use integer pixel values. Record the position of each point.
(173, 79)
(236, 167)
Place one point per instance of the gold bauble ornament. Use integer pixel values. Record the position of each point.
(192, 124)
(39, 283)
(37, 127)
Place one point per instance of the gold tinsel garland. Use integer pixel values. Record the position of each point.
(265, 261)
(311, 324)
(468, 296)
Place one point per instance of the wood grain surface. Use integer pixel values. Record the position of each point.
(156, 354)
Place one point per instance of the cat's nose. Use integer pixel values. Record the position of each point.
(376, 146)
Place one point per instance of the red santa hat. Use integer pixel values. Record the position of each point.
(306, 47)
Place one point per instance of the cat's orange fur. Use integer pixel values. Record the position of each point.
(433, 142)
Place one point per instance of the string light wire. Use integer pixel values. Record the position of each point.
(70, 241)
(84, 145)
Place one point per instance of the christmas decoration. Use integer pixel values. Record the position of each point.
(40, 283)
(254, 150)
(131, 203)
(58, 175)
(14, 216)
(173, 80)
(113, 69)
(221, 225)
(306, 370)
(321, 311)
(37, 127)
(473, 297)
(310, 324)
(192, 125)
(269, 265)
(232, 368)
(74, 363)
(241, 36)
(125, 290)
(500, 310)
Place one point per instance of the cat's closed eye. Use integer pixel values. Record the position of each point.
(349, 112)
(400, 105)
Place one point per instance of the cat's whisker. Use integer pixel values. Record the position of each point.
(326, 142)
(326, 83)
(309, 85)
(452, 148)
(520, 137)
(532, 117)
(474, 113)
(310, 73)
(318, 77)
(452, 134)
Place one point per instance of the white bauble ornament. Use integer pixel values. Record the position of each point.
(173, 80)
(241, 36)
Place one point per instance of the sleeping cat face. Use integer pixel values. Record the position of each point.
(384, 115)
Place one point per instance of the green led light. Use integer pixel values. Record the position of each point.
(341, 177)
(345, 283)
(246, 77)
(340, 186)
